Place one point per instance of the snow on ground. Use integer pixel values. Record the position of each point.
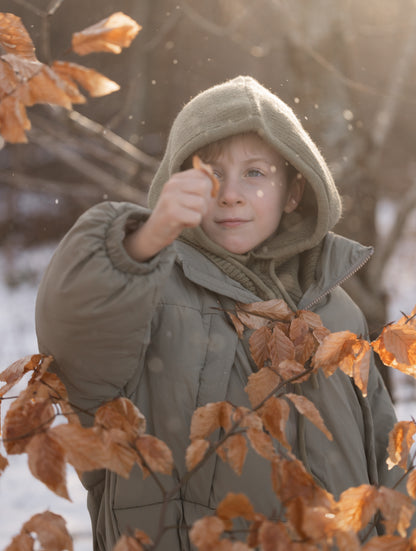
(21, 495)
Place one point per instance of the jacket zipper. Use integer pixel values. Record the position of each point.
(341, 281)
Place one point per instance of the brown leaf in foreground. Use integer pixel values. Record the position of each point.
(233, 451)
(195, 452)
(396, 347)
(210, 417)
(260, 384)
(155, 453)
(411, 484)
(235, 505)
(14, 38)
(108, 35)
(206, 532)
(275, 414)
(308, 409)
(3, 464)
(259, 346)
(387, 543)
(357, 506)
(46, 459)
(274, 537)
(133, 543)
(275, 309)
(47, 532)
(400, 443)
(95, 83)
(397, 510)
(121, 414)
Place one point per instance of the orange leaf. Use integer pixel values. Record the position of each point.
(411, 484)
(155, 453)
(14, 38)
(50, 530)
(206, 532)
(108, 35)
(291, 480)
(210, 417)
(316, 523)
(274, 536)
(396, 347)
(357, 506)
(133, 543)
(234, 451)
(3, 464)
(333, 349)
(121, 414)
(275, 414)
(14, 373)
(313, 320)
(387, 543)
(400, 442)
(95, 83)
(198, 164)
(288, 369)
(275, 309)
(25, 417)
(195, 452)
(260, 384)
(259, 345)
(252, 321)
(308, 409)
(397, 510)
(280, 347)
(261, 443)
(21, 542)
(46, 461)
(235, 505)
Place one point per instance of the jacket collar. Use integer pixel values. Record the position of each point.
(341, 258)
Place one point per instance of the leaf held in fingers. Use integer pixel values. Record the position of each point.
(108, 35)
(308, 409)
(198, 164)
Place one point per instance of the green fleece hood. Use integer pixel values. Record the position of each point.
(243, 105)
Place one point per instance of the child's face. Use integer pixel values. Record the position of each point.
(253, 195)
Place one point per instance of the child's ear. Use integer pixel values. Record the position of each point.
(296, 188)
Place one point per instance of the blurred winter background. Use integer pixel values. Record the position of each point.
(346, 67)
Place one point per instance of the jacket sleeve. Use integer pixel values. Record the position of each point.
(95, 304)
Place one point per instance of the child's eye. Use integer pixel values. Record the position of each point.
(254, 172)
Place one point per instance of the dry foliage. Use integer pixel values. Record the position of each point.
(25, 81)
(287, 347)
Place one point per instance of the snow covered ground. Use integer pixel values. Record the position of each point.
(22, 496)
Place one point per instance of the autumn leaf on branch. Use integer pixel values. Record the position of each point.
(308, 409)
(25, 81)
(46, 531)
(109, 35)
(396, 347)
(400, 443)
(133, 543)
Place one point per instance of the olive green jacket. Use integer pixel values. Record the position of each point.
(155, 332)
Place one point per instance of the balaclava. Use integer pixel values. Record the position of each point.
(284, 265)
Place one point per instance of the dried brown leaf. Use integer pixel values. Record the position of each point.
(387, 543)
(235, 505)
(155, 453)
(274, 536)
(14, 373)
(233, 451)
(333, 350)
(299, 329)
(308, 409)
(291, 370)
(261, 443)
(21, 542)
(260, 385)
(195, 452)
(280, 347)
(108, 35)
(275, 414)
(238, 326)
(121, 414)
(50, 530)
(313, 320)
(357, 506)
(396, 347)
(3, 464)
(14, 38)
(400, 443)
(25, 417)
(46, 459)
(198, 164)
(411, 484)
(291, 480)
(259, 348)
(275, 309)
(95, 83)
(206, 532)
(206, 419)
(397, 510)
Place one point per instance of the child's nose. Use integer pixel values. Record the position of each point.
(230, 191)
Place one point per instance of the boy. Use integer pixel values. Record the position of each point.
(132, 305)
